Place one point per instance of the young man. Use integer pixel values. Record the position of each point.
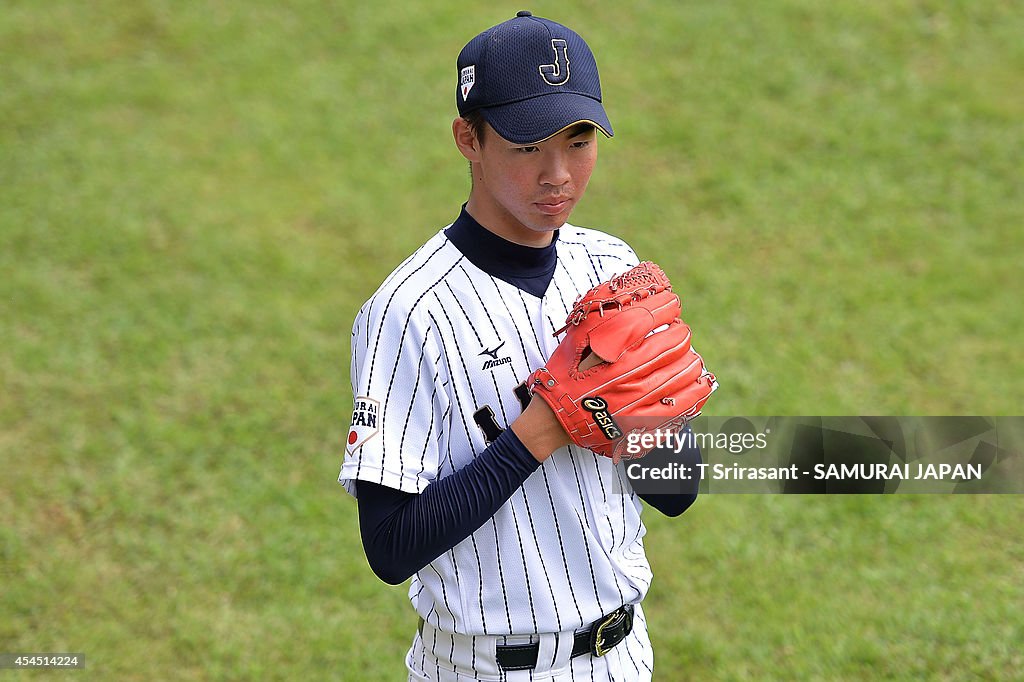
(525, 551)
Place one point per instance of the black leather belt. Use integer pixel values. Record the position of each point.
(598, 639)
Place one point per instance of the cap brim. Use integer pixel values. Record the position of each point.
(539, 118)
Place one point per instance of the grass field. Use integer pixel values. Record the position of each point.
(195, 198)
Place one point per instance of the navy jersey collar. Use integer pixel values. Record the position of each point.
(526, 267)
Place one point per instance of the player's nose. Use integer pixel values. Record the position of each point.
(555, 170)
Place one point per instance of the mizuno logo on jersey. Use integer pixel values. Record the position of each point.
(492, 353)
(494, 361)
(365, 418)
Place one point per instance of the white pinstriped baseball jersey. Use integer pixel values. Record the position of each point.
(436, 350)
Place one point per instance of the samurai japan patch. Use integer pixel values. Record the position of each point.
(365, 419)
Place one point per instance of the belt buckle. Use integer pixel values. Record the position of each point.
(597, 639)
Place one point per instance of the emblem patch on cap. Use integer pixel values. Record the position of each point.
(365, 416)
(466, 80)
(557, 73)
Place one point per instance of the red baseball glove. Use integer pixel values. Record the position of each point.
(625, 365)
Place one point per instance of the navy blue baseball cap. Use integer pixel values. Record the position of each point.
(530, 78)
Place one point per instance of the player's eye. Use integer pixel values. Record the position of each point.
(581, 144)
(527, 150)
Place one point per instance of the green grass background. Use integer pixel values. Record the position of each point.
(195, 198)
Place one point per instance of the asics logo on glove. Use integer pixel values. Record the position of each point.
(597, 407)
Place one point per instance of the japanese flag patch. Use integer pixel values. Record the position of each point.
(365, 420)
(466, 80)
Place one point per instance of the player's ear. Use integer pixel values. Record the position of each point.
(466, 139)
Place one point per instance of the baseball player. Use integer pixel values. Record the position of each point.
(525, 550)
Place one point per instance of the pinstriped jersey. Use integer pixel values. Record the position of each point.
(439, 353)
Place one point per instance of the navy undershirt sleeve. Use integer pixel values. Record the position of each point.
(674, 504)
(670, 505)
(403, 532)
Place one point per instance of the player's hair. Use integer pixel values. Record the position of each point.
(476, 121)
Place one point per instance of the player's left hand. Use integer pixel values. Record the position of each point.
(625, 366)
